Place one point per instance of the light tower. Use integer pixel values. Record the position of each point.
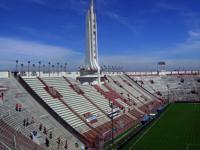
(91, 70)
(91, 60)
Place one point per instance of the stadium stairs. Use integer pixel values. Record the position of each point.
(81, 92)
(96, 133)
(62, 105)
(144, 89)
(55, 113)
(123, 92)
(105, 127)
(155, 103)
(149, 103)
(137, 99)
(9, 135)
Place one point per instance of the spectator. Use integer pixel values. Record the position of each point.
(31, 136)
(45, 130)
(32, 120)
(66, 145)
(20, 107)
(2, 95)
(17, 107)
(40, 127)
(27, 122)
(47, 142)
(24, 122)
(50, 135)
(58, 140)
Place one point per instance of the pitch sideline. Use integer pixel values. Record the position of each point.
(149, 128)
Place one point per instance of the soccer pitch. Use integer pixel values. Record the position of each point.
(177, 129)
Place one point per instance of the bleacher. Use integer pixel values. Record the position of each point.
(137, 113)
(76, 104)
(109, 96)
(120, 124)
(69, 96)
(96, 97)
(79, 98)
(129, 88)
(171, 87)
(54, 104)
(31, 108)
(76, 101)
(149, 102)
(123, 92)
(10, 136)
(3, 146)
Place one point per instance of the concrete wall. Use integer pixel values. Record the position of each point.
(55, 74)
(162, 73)
(4, 74)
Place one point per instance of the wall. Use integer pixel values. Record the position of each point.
(4, 74)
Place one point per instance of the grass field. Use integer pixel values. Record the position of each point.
(177, 129)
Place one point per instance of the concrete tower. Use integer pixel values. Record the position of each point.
(91, 60)
(90, 73)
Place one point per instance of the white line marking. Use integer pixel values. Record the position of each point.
(150, 128)
(188, 145)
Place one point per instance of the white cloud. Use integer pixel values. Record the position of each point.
(190, 45)
(31, 48)
(194, 33)
(12, 49)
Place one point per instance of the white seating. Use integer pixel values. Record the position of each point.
(125, 92)
(55, 104)
(96, 97)
(170, 86)
(77, 102)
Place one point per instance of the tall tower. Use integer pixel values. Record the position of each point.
(91, 72)
(91, 60)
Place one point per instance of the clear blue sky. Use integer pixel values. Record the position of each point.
(135, 34)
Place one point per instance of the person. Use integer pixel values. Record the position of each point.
(40, 127)
(45, 130)
(32, 120)
(24, 122)
(16, 107)
(31, 136)
(2, 95)
(50, 135)
(66, 146)
(58, 140)
(47, 142)
(20, 107)
(27, 122)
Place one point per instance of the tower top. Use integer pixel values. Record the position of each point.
(92, 3)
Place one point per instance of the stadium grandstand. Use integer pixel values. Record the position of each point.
(47, 111)
(47, 107)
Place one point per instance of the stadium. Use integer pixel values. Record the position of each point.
(47, 107)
